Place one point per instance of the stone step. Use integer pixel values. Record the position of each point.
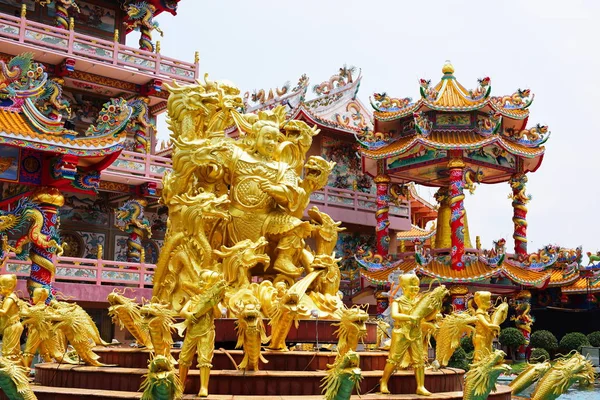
(261, 383)
(59, 393)
(278, 360)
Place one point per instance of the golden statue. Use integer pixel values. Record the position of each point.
(250, 328)
(161, 382)
(225, 194)
(351, 329)
(485, 329)
(160, 320)
(126, 313)
(529, 376)
(342, 377)
(564, 373)
(79, 328)
(14, 381)
(447, 339)
(481, 378)
(199, 313)
(42, 334)
(408, 312)
(11, 319)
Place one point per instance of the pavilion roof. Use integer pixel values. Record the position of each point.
(475, 271)
(415, 233)
(583, 285)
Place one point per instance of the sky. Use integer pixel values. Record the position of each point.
(548, 46)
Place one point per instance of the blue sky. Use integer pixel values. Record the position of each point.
(547, 46)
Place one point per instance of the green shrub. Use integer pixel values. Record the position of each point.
(467, 344)
(594, 338)
(543, 340)
(511, 337)
(459, 359)
(539, 355)
(573, 341)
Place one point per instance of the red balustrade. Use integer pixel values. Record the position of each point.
(51, 39)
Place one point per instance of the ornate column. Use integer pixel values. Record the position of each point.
(523, 319)
(45, 240)
(519, 200)
(130, 219)
(62, 13)
(457, 234)
(382, 215)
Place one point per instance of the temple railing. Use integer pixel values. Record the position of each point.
(70, 43)
(89, 271)
(137, 168)
(355, 201)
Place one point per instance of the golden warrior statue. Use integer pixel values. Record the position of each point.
(407, 336)
(11, 319)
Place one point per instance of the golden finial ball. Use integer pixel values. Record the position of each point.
(448, 68)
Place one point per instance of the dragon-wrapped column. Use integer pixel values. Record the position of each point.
(519, 200)
(43, 270)
(130, 219)
(457, 210)
(382, 214)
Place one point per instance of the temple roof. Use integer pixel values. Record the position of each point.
(450, 95)
(415, 233)
(475, 271)
(336, 105)
(415, 140)
(32, 110)
(582, 286)
(450, 140)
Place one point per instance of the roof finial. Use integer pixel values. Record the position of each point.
(448, 68)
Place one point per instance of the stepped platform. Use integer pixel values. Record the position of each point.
(308, 331)
(278, 360)
(54, 393)
(232, 382)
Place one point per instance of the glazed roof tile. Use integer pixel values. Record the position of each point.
(451, 140)
(414, 233)
(559, 278)
(580, 286)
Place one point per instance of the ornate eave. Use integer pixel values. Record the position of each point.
(476, 271)
(583, 286)
(415, 233)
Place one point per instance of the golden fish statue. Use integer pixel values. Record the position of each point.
(342, 377)
(14, 381)
(351, 329)
(250, 330)
(563, 374)
(447, 338)
(285, 314)
(76, 329)
(42, 333)
(481, 378)
(529, 376)
(126, 313)
(160, 319)
(161, 382)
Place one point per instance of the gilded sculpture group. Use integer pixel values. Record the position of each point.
(236, 246)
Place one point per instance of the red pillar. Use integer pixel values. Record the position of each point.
(519, 200)
(42, 272)
(457, 234)
(382, 214)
